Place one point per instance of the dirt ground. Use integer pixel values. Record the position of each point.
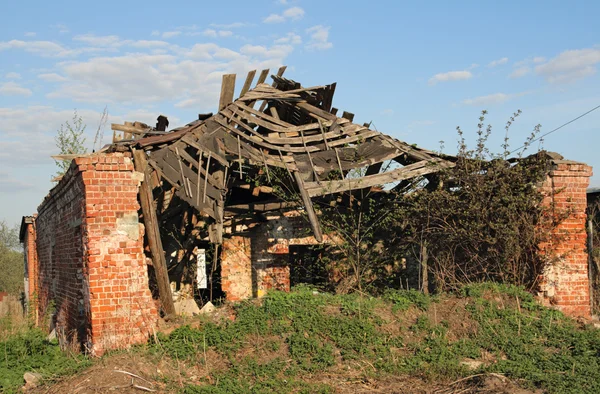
(132, 373)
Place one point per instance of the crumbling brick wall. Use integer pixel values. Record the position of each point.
(565, 282)
(91, 259)
(258, 261)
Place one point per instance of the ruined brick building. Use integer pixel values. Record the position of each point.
(159, 214)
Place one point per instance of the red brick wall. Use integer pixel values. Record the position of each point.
(236, 268)
(30, 260)
(91, 258)
(565, 282)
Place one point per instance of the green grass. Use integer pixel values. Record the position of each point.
(29, 351)
(537, 346)
(308, 342)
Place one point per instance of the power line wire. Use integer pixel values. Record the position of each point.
(558, 128)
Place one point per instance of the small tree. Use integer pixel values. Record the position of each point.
(70, 140)
(11, 259)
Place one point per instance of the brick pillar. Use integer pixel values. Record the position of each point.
(30, 254)
(122, 310)
(236, 268)
(565, 282)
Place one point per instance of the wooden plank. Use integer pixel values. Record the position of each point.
(250, 152)
(279, 74)
(362, 136)
(328, 97)
(169, 164)
(280, 71)
(153, 234)
(227, 90)
(259, 207)
(261, 140)
(194, 144)
(262, 77)
(158, 169)
(309, 158)
(248, 82)
(263, 115)
(323, 134)
(185, 186)
(131, 129)
(316, 111)
(374, 169)
(422, 168)
(272, 126)
(310, 210)
(348, 115)
(187, 157)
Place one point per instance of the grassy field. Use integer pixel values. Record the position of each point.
(312, 342)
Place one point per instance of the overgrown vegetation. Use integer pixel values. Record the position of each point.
(11, 259)
(306, 341)
(482, 220)
(28, 350)
(296, 342)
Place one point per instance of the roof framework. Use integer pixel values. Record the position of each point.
(283, 125)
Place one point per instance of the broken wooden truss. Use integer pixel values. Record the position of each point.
(282, 125)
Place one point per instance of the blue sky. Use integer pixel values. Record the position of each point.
(416, 69)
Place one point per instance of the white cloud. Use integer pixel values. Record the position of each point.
(42, 48)
(12, 75)
(100, 41)
(290, 38)
(147, 44)
(450, 76)
(217, 33)
(570, 65)
(498, 62)
(61, 28)
(210, 33)
(30, 34)
(520, 72)
(491, 99)
(187, 76)
(14, 89)
(155, 33)
(293, 13)
(234, 25)
(275, 51)
(539, 59)
(171, 34)
(52, 77)
(319, 38)
(274, 18)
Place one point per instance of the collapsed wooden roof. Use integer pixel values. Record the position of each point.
(282, 125)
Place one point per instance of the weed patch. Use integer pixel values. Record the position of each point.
(29, 351)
